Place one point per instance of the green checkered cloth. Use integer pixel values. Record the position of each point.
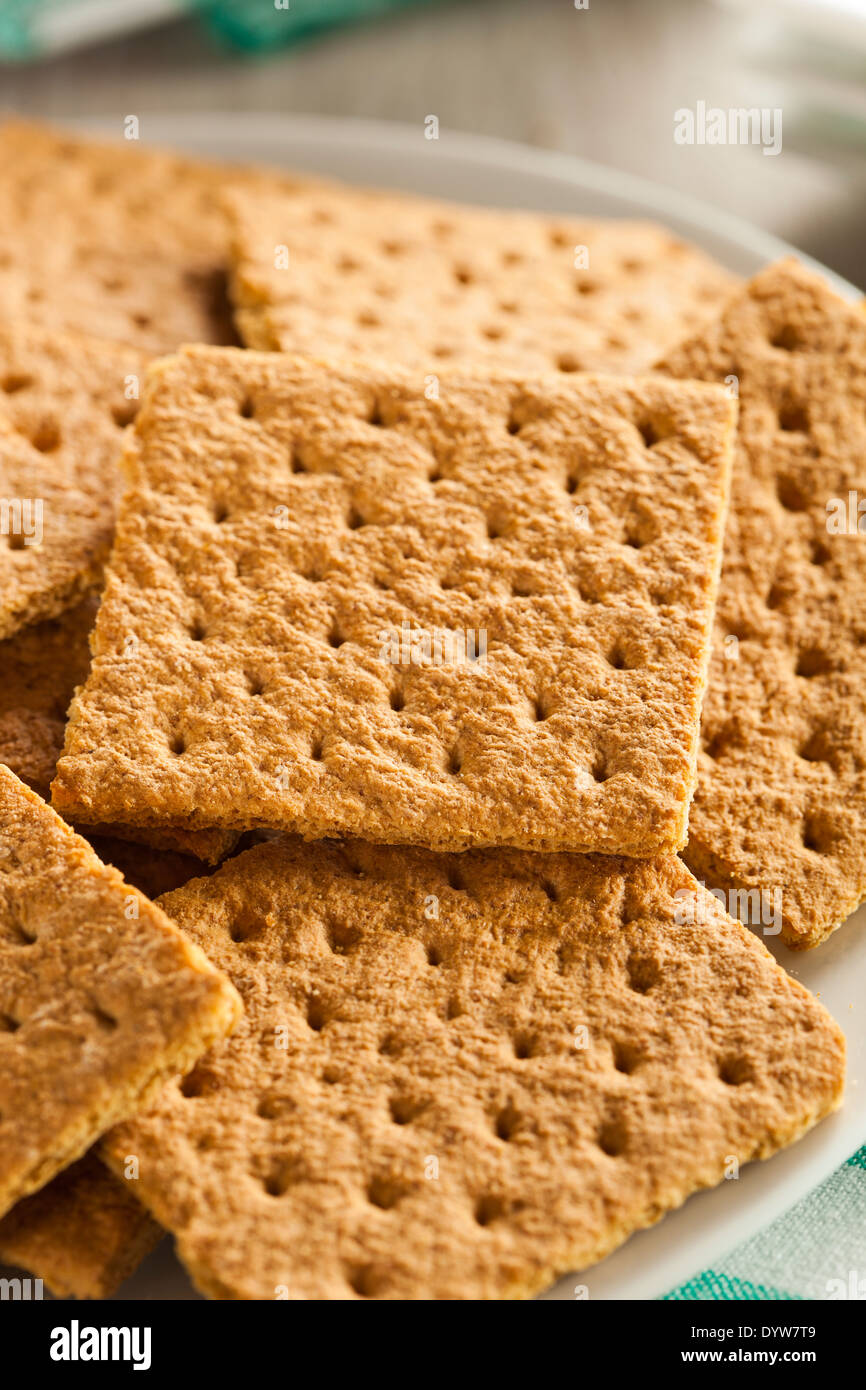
(817, 1250)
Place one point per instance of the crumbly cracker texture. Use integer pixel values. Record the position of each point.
(458, 1077)
(781, 801)
(295, 532)
(101, 998)
(341, 271)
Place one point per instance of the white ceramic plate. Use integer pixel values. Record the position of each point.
(477, 169)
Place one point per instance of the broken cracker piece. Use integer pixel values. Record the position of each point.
(295, 533)
(101, 999)
(458, 1077)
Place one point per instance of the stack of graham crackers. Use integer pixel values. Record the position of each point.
(401, 614)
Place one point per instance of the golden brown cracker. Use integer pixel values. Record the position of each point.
(132, 241)
(345, 272)
(41, 667)
(781, 806)
(65, 400)
(101, 999)
(310, 559)
(461, 1076)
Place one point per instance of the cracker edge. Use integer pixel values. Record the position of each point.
(178, 1059)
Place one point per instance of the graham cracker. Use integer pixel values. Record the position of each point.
(83, 1234)
(334, 271)
(63, 408)
(101, 998)
(781, 801)
(41, 667)
(132, 241)
(461, 1076)
(289, 524)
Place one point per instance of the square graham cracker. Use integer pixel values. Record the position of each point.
(83, 1234)
(343, 271)
(781, 798)
(63, 409)
(101, 998)
(41, 667)
(461, 1076)
(132, 241)
(295, 531)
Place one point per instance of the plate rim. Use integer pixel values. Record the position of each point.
(363, 134)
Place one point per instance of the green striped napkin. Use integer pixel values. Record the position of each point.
(817, 1250)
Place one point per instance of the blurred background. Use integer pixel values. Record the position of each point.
(600, 78)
